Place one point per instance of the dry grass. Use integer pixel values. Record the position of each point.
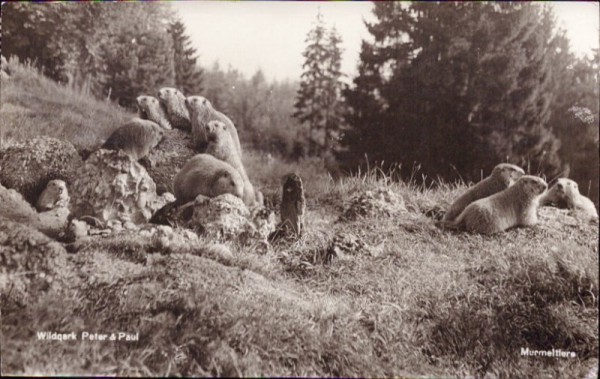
(414, 301)
(33, 105)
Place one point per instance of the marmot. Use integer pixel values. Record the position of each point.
(503, 176)
(221, 146)
(173, 102)
(201, 113)
(151, 109)
(136, 138)
(565, 193)
(515, 206)
(206, 175)
(54, 196)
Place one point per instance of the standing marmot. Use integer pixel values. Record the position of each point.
(206, 175)
(151, 109)
(54, 196)
(174, 103)
(201, 113)
(515, 206)
(221, 146)
(565, 193)
(136, 138)
(503, 176)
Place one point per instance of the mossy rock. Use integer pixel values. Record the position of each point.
(27, 167)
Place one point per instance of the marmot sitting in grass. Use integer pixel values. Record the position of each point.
(150, 108)
(206, 175)
(565, 193)
(221, 146)
(54, 196)
(503, 176)
(136, 138)
(201, 113)
(173, 102)
(515, 206)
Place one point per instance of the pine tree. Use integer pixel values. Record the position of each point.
(311, 94)
(188, 75)
(318, 101)
(455, 87)
(333, 91)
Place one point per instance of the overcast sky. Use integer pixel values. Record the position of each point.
(270, 35)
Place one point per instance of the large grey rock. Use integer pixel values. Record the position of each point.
(113, 188)
(28, 166)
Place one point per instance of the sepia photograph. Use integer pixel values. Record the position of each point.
(308, 189)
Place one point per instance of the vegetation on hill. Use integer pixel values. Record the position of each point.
(396, 297)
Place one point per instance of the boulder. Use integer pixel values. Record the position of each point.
(28, 166)
(116, 190)
(29, 263)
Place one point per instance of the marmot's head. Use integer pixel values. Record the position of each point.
(215, 130)
(56, 190)
(532, 185)
(197, 104)
(172, 99)
(562, 190)
(228, 181)
(507, 173)
(566, 186)
(150, 108)
(153, 133)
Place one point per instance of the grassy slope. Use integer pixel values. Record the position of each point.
(418, 301)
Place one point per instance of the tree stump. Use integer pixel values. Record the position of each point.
(292, 209)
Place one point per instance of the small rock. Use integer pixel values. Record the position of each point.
(381, 201)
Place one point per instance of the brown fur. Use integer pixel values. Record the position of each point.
(206, 175)
(149, 108)
(503, 176)
(565, 192)
(54, 196)
(173, 102)
(201, 113)
(136, 138)
(515, 206)
(221, 146)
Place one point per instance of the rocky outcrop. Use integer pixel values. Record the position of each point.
(28, 167)
(13, 207)
(114, 189)
(221, 218)
(168, 157)
(381, 201)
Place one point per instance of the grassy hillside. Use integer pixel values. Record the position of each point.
(402, 299)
